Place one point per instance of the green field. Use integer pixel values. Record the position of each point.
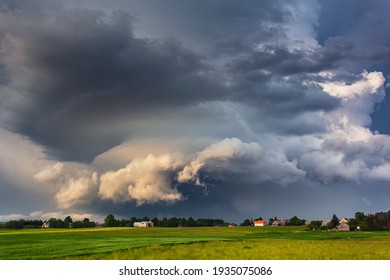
(271, 243)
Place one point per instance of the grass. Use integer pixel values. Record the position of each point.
(193, 243)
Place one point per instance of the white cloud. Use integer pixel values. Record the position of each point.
(246, 160)
(224, 150)
(329, 167)
(370, 83)
(144, 180)
(77, 191)
(73, 183)
(351, 120)
(381, 172)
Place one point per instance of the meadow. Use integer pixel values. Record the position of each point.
(200, 243)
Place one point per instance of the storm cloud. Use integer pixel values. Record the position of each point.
(167, 107)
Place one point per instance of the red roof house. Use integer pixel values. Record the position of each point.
(259, 223)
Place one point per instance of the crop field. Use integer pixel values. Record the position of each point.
(251, 243)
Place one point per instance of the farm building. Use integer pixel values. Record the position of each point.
(278, 223)
(259, 223)
(343, 225)
(144, 224)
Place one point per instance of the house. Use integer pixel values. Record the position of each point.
(144, 224)
(343, 225)
(259, 223)
(45, 224)
(278, 223)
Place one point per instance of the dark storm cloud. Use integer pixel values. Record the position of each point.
(84, 65)
(358, 25)
(78, 70)
(214, 22)
(281, 60)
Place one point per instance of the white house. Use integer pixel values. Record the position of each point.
(144, 224)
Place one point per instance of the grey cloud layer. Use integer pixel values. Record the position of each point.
(144, 101)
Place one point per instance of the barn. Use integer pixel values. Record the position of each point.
(343, 225)
(144, 224)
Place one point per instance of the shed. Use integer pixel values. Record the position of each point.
(144, 224)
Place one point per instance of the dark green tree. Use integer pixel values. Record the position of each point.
(295, 221)
(52, 222)
(68, 221)
(60, 223)
(246, 223)
(156, 222)
(334, 222)
(359, 216)
(314, 225)
(77, 224)
(110, 221)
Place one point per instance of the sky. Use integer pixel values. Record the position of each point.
(206, 109)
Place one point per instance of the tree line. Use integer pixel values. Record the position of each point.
(367, 222)
(111, 221)
(52, 223)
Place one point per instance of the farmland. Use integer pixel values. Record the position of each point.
(193, 243)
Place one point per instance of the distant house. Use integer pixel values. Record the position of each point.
(45, 224)
(259, 223)
(278, 223)
(324, 223)
(144, 224)
(343, 225)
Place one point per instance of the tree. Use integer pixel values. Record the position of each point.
(190, 222)
(295, 221)
(52, 222)
(77, 224)
(314, 225)
(156, 222)
(173, 222)
(68, 222)
(359, 216)
(60, 223)
(353, 224)
(246, 223)
(110, 221)
(334, 222)
(88, 223)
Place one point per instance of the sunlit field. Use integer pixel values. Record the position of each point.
(272, 243)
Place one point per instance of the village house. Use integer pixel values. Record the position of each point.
(278, 223)
(144, 224)
(45, 224)
(343, 225)
(259, 223)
